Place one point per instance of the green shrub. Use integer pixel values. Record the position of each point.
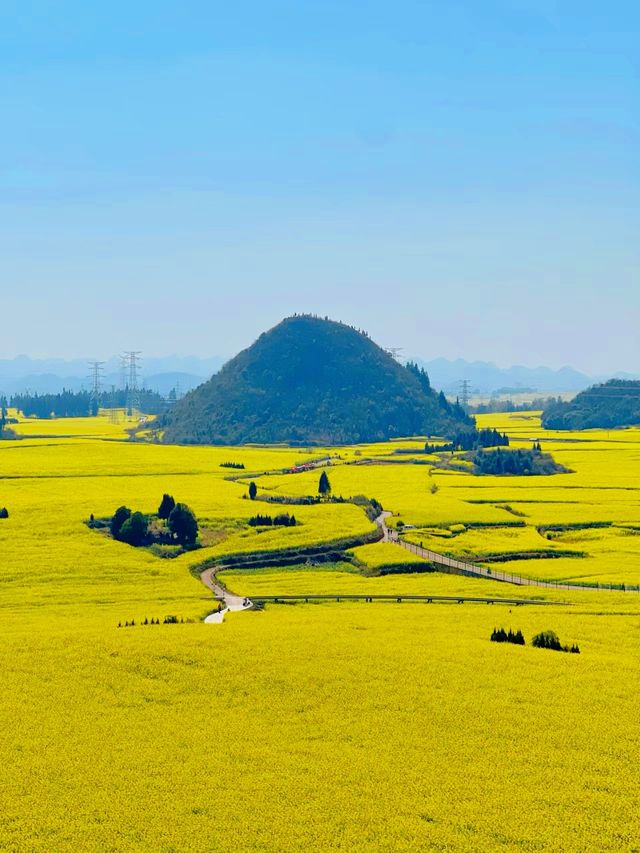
(183, 524)
(547, 640)
(119, 517)
(166, 505)
(134, 530)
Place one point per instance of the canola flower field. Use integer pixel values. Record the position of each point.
(322, 726)
(530, 523)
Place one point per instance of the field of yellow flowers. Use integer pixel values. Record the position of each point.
(582, 526)
(376, 727)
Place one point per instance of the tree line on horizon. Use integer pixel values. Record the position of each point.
(82, 404)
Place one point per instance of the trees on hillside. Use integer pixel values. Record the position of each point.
(253, 490)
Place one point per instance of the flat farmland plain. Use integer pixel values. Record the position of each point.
(307, 727)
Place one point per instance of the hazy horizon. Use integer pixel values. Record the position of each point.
(223, 357)
(460, 182)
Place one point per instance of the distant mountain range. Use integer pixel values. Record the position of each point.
(187, 372)
(486, 378)
(49, 376)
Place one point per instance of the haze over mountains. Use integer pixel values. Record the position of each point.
(162, 374)
(52, 375)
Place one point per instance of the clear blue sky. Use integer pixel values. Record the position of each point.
(460, 178)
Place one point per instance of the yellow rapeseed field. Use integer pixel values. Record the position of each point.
(376, 727)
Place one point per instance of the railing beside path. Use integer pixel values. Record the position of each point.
(427, 599)
(475, 570)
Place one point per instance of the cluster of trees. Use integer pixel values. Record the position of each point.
(130, 527)
(371, 506)
(516, 462)
(455, 411)
(4, 512)
(168, 620)
(82, 404)
(133, 527)
(499, 635)
(238, 465)
(497, 405)
(614, 404)
(543, 640)
(421, 375)
(471, 440)
(550, 640)
(281, 520)
(167, 505)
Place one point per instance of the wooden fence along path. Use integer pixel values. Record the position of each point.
(473, 569)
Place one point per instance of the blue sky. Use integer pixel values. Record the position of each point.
(459, 178)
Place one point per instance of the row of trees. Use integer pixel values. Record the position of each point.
(471, 440)
(497, 405)
(543, 640)
(499, 635)
(324, 487)
(281, 520)
(82, 404)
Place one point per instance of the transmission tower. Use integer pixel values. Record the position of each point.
(394, 352)
(96, 374)
(131, 363)
(465, 393)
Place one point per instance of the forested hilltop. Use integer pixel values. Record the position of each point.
(616, 403)
(312, 381)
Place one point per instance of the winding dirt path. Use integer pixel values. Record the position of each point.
(228, 602)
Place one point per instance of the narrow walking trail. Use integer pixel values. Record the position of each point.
(229, 602)
(462, 568)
